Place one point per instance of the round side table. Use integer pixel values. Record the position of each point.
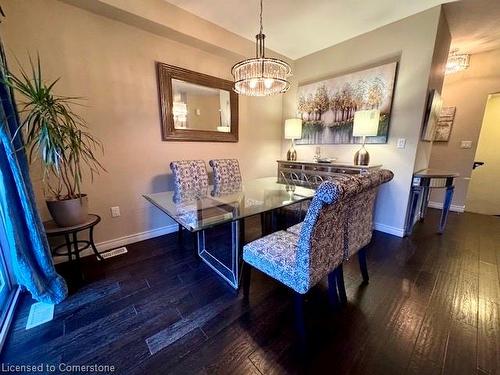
(72, 243)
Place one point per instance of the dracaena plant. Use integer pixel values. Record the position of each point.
(53, 133)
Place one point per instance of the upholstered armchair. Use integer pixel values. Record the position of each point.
(338, 223)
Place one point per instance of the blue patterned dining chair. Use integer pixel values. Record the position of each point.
(316, 248)
(226, 173)
(190, 178)
(359, 220)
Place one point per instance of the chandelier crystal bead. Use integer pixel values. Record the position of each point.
(457, 62)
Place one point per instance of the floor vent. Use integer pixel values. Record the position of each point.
(40, 313)
(114, 252)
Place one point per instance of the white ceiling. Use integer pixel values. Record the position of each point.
(296, 28)
(474, 25)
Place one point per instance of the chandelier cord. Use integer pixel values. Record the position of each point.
(261, 28)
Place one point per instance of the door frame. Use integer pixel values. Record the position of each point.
(7, 315)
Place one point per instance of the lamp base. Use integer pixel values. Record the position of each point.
(291, 155)
(362, 157)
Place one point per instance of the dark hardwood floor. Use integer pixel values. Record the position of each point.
(432, 307)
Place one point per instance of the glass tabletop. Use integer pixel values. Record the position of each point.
(200, 210)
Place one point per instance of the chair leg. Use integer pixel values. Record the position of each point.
(299, 314)
(332, 289)
(179, 234)
(194, 239)
(247, 276)
(339, 273)
(362, 265)
(263, 224)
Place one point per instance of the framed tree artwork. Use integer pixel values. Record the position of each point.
(327, 107)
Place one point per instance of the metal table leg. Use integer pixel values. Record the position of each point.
(425, 202)
(92, 244)
(446, 208)
(229, 273)
(75, 246)
(69, 246)
(76, 249)
(414, 199)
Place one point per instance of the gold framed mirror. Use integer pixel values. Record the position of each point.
(195, 106)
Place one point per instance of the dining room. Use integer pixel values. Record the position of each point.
(237, 188)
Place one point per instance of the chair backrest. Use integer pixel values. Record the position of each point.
(338, 223)
(226, 173)
(189, 176)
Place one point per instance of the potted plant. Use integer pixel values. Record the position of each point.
(58, 137)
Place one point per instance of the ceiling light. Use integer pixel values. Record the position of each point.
(457, 62)
(261, 76)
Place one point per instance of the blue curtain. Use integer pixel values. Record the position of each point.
(30, 252)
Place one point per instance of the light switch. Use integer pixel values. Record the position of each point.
(401, 143)
(466, 144)
(115, 211)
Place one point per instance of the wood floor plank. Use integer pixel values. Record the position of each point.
(465, 302)
(488, 350)
(461, 353)
(430, 346)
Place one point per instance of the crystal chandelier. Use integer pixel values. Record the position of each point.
(457, 62)
(261, 76)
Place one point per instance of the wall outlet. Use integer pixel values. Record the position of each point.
(115, 211)
(466, 144)
(401, 143)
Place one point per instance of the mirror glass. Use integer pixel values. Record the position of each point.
(196, 107)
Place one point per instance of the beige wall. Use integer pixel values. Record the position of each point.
(112, 64)
(483, 196)
(436, 78)
(411, 41)
(468, 91)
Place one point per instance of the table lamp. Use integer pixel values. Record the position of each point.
(293, 131)
(365, 124)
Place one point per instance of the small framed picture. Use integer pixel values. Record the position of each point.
(444, 124)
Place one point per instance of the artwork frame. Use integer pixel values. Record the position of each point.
(432, 111)
(327, 106)
(445, 124)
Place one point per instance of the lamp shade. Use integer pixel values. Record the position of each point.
(293, 128)
(366, 123)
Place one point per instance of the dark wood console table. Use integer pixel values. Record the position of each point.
(312, 173)
(422, 183)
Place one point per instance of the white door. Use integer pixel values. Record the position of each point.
(483, 195)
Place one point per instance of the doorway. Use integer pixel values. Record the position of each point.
(483, 195)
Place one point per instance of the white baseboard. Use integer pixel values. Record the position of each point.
(453, 207)
(126, 240)
(400, 232)
(123, 241)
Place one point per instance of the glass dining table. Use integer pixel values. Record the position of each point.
(217, 216)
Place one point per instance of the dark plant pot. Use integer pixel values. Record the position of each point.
(69, 212)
